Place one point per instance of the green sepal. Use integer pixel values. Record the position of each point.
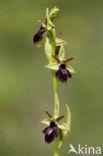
(54, 13)
(60, 42)
(70, 68)
(53, 66)
(47, 49)
(61, 52)
(46, 121)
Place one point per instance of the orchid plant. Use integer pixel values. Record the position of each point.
(56, 129)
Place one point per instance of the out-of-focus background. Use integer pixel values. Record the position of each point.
(26, 87)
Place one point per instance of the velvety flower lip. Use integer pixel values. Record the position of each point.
(51, 132)
(39, 35)
(62, 73)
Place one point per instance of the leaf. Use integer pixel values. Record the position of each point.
(61, 53)
(65, 127)
(53, 66)
(70, 69)
(68, 117)
(54, 13)
(68, 122)
(47, 50)
(60, 42)
(46, 122)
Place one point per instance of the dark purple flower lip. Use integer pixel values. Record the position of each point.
(63, 73)
(39, 35)
(52, 131)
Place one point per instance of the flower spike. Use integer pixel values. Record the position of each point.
(55, 53)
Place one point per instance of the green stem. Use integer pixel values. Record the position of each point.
(57, 147)
(55, 87)
(52, 39)
(56, 100)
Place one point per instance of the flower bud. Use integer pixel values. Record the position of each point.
(54, 13)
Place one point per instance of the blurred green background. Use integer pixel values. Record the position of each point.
(26, 87)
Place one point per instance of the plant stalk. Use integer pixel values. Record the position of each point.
(55, 88)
